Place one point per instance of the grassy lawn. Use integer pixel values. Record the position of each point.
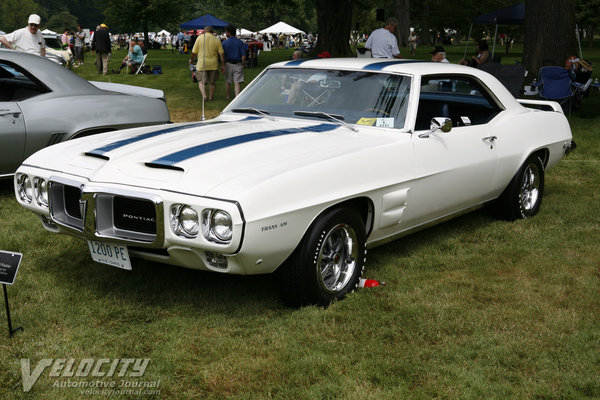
(474, 308)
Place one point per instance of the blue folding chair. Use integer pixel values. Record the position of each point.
(555, 84)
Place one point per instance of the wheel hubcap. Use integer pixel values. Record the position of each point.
(337, 258)
(530, 188)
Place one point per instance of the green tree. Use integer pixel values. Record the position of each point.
(64, 19)
(14, 13)
(587, 14)
(334, 20)
(549, 33)
(133, 15)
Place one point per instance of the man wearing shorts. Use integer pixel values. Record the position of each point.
(235, 58)
(209, 51)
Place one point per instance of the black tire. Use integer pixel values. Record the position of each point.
(328, 263)
(523, 196)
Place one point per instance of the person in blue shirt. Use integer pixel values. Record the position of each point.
(133, 59)
(235, 58)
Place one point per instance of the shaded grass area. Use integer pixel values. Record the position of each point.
(474, 308)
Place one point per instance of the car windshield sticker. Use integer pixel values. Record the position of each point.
(120, 143)
(195, 151)
(385, 122)
(366, 121)
(466, 120)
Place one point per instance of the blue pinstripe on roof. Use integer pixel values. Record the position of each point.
(101, 151)
(378, 66)
(296, 62)
(172, 159)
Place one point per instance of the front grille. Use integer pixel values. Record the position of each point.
(72, 197)
(135, 215)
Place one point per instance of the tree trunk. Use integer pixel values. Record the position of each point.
(549, 33)
(334, 22)
(402, 12)
(425, 37)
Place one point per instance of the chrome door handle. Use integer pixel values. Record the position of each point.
(15, 114)
(490, 139)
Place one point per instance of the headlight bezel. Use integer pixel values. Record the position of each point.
(178, 226)
(24, 184)
(217, 225)
(40, 191)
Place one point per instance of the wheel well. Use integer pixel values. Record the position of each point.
(363, 206)
(543, 154)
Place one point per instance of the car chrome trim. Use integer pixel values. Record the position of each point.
(174, 158)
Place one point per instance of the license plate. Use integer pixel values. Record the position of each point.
(110, 254)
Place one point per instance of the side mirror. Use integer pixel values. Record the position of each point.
(438, 123)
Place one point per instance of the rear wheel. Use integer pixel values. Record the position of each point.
(523, 196)
(328, 263)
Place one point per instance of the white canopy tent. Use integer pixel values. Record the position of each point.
(48, 32)
(282, 27)
(163, 32)
(244, 32)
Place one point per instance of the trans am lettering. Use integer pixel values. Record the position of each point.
(274, 226)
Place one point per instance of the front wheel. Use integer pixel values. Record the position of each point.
(523, 196)
(328, 263)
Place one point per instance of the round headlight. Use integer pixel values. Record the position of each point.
(24, 188)
(222, 225)
(40, 186)
(188, 219)
(184, 221)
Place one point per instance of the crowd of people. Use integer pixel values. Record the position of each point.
(210, 53)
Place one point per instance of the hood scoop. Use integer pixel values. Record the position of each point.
(163, 166)
(100, 156)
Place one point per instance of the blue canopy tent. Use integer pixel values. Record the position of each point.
(513, 15)
(205, 20)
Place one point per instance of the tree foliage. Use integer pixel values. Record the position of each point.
(60, 21)
(549, 33)
(14, 13)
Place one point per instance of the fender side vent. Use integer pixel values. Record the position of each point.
(55, 138)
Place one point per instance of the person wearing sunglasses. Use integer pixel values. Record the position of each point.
(28, 39)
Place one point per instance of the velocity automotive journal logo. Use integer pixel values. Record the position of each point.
(119, 372)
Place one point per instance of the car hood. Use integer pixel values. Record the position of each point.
(219, 158)
(129, 89)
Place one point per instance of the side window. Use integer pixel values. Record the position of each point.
(460, 98)
(15, 85)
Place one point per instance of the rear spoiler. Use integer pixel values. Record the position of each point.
(554, 106)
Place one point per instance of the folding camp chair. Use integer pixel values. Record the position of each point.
(555, 84)
(141, 64)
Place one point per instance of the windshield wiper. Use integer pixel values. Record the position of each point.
(252, 110)
(320, 114)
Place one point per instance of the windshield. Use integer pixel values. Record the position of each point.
(356, 97)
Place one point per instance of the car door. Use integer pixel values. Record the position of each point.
(12, 137)
(454, 170)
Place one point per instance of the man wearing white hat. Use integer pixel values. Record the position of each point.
(28, 39)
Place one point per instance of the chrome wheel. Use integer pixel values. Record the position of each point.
(530, 187)
(337, 259)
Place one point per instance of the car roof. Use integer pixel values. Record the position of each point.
(59, 79)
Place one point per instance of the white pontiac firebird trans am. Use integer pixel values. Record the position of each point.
(312, 163)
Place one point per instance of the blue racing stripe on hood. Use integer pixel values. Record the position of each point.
(172, 159)
(378, 66)
(100, 151)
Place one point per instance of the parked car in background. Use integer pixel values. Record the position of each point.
(56, 52)
(42, 103)
(312, 163)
